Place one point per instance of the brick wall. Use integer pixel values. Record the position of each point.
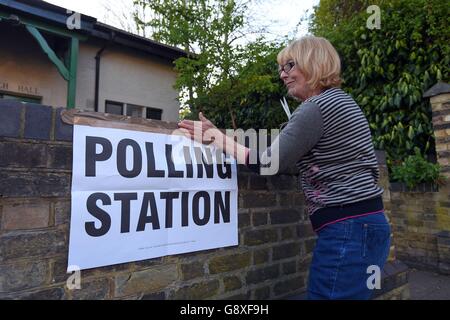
(270, 262)
(421, 217)
(440, 105)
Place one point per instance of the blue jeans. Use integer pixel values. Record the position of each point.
(343, 253)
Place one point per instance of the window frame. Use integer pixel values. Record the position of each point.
(20, 97)
(125, 105)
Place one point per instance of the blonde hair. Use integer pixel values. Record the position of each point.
(316, 59)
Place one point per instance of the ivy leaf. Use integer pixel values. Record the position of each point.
(410, 133)
(397, 100)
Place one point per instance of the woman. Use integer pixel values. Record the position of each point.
(329, 140)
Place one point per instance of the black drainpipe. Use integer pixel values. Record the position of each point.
(97, 68)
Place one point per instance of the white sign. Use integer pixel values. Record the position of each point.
(139, 195)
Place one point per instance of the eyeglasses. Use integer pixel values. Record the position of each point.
(286, 67)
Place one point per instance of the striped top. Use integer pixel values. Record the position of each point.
(329, 140)
(341, 168)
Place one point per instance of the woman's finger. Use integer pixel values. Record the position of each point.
(186, 125)
(190, 123)
(182, 132)
(197, 126)
(205, 120)
(190, 135)
(186, 122)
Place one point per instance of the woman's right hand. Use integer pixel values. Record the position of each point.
(203, 131)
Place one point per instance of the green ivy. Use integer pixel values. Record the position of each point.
(388, 70)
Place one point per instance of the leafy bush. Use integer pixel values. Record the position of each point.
(416, 169)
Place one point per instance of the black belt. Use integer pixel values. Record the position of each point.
(331, 214)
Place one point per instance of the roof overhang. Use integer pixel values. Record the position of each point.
(57, 16)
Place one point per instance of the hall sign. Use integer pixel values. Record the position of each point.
(20, 88)
(140, 195)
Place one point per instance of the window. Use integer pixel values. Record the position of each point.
(153, 113)
(114, 107)
(132, 110)
(20, 98)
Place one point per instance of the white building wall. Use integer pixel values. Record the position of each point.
(127, 76)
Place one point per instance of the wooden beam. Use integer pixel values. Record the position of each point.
(48, 51)
(72, 81)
